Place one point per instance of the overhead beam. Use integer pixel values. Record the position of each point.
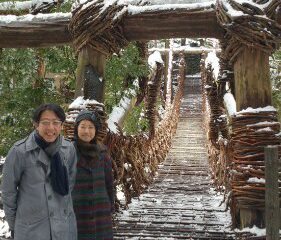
(172, 24)
(186, 21)
(41, 30)
(143, 25)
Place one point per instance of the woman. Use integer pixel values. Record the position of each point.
(93, 196)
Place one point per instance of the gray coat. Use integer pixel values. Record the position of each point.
(33, 210)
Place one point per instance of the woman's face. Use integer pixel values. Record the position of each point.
(86, 130)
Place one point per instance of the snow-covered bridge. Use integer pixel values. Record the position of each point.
(249, 32)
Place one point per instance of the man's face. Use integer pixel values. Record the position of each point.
(49, 126)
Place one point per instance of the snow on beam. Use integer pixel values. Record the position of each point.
(41, 30)
(140, 24)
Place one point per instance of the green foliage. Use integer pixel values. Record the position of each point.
(16, 107)
(21, 90)
(120, 73)
(135, 121)
(65, 7)
(17, 67)
(61, 60)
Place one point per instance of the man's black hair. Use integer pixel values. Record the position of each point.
(51, 107)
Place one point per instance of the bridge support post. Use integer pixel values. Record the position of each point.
(252, 89)
(89, 74)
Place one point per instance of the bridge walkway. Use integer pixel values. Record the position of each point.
(181, 203)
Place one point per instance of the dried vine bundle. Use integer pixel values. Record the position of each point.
(153, 90)
(252, 25)
(216, 106)
(97, 24)
(251, 132)
(216, 126)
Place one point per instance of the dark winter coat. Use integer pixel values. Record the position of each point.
(32, 208)
(93, 197)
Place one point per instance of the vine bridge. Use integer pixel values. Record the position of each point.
(181, 202)
(199, 140)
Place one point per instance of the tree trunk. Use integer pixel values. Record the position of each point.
(90, 67)
(252, 81)
(143, 51)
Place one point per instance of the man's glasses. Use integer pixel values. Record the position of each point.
(55, 123)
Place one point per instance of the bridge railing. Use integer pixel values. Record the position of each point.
(136, 157)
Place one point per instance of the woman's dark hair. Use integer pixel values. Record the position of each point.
(51, 107)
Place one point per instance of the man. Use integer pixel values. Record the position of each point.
(38, 176)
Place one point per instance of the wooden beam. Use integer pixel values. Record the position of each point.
(171, 23)
(43, 31)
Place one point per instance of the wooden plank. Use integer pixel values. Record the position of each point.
(172, 23)
(272, 208)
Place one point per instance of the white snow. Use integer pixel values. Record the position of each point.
(259, 232)
(230, 103)
(81, 103)
(118, 113)
(213, 60)
(166, 7)
(256, 180)
(2, 160)
(169, 74)
(154, 58)
(15, 5)
(257, 110)
(266, 123)
(5, 19)
(78, 104)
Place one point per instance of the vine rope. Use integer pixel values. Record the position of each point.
(252, 23)
(98, 25)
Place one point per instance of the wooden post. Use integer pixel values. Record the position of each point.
(252, 80)
(272, 208)
(82, 62)
(252, 89)
(86, 57)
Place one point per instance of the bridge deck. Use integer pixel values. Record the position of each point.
(181, 203)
